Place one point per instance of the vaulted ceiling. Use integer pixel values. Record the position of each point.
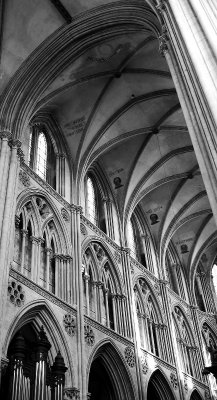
(116, 105)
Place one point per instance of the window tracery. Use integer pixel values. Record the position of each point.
(185, 345)
(103, 298)
(38, 244)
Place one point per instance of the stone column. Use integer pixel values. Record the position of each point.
(76, 250)
(4, 166)
(48, 253)
(7, 204)
(24, 233)
(60, 173)
(33, 259)
(87, 279)
(191, 54)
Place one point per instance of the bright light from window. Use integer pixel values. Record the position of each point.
(131, 239)
(30, 148)
(41, 164)
(91, 201)
(214, 275)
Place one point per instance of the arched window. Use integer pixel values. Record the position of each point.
(132, 239)
(41, 163)
(91, 201)
(185, 346)
(152, 328)
(41, 157)
(214, 276)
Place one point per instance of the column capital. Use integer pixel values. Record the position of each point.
(14, 143)
(5, 135)
(127, 250)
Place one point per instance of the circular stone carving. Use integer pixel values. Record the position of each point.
(83, 230)
(174, 380)
(16, 294)
(129, 356)
(69, 324)
(89, 335)
(65, 214)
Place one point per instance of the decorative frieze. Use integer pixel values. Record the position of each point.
(16, 293)
(130, 356)
(89, 335)
(69, 324)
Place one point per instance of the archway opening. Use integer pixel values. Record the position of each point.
(195, 396)
(100, 384)
(158, 388)
(108, 376)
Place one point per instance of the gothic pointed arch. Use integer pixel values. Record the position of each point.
(195, 395)
(108, 376)
(159, 388)
(36, 314)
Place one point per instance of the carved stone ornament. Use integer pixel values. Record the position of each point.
(130, 356)
(144, 365)
(15, 293)
(185, 385)
(65, 214)
(69, 324)
(4, 364)
(89, 335)
(24, 178)
(71, 394)
(174, 380)
(207, 395)
(83, 230)
(157, 288)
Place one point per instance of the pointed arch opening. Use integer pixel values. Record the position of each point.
(158, 388)
(108, 377)
(195, 395)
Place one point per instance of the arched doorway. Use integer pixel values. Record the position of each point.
(195, 396)
(158, 388)
(108, 377)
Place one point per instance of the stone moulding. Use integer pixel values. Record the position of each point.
(41, 291)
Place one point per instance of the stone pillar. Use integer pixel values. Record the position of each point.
(9, 176)
(76, 250)
(87, 279)
(48, 253)
(24, 233)
(191, 54)
(60, 173)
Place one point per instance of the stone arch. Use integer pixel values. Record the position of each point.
(153, 293)
(25, 196)
(158, 387)
(107, 355)
(38, 313)
(195, 395)
(114, 266)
